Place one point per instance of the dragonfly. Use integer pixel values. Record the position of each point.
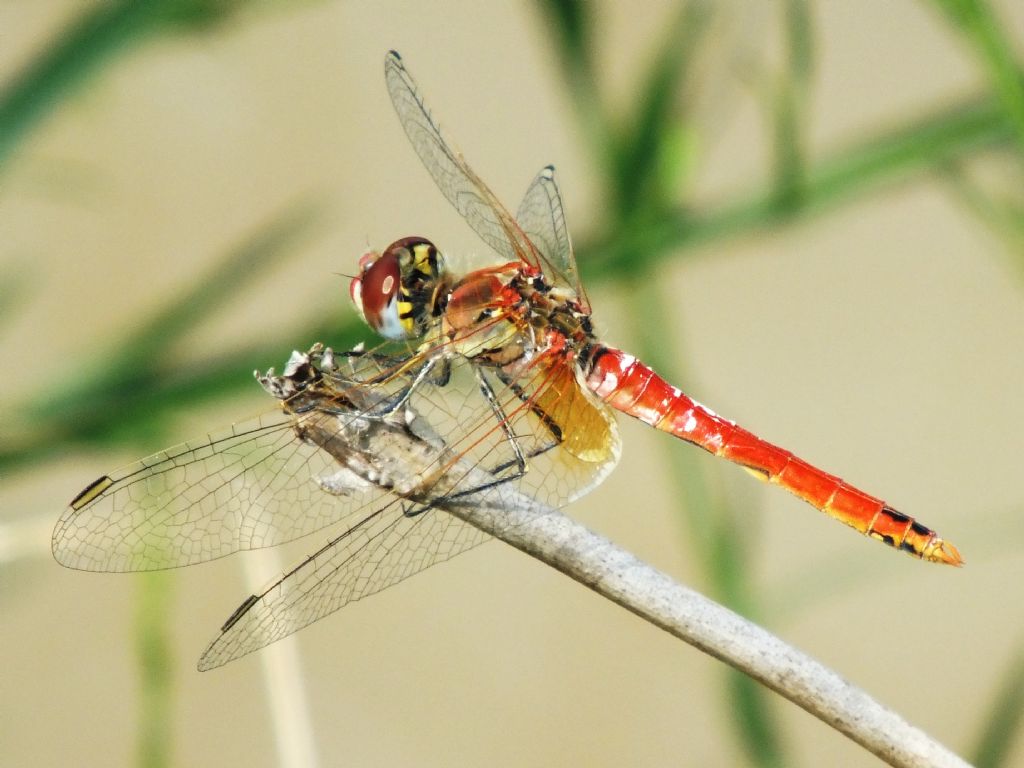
(489, 387)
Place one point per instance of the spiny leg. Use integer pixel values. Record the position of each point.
(540, 413)
(499, 412)
(394, 403)
(521, 460)
(510, 437)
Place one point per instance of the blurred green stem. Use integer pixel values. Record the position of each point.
(1004, 719)
(790, 105)
(95, 36)
(84, 45)
(571, 21)
(646, 167)
(127, 387)
(155, 664)
(891, 156)
(978, 24)
(1002, 215)
(95, 406)
(145, 346)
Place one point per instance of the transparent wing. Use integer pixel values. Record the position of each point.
(456, 180)
(381, 551)
(336, 454)
(248, 486)
(542, 219)
(392, 544)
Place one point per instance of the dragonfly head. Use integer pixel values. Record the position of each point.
(396, 291)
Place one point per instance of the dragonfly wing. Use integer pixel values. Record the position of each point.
(254, 484)
(458, 183)
(259, 484)
(475, 466)
(381, 551)
(542, 219)
(342, 459)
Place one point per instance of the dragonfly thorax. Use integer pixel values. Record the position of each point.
(397, 291)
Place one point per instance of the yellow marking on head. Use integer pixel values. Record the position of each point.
(421, 258)
(405, 315)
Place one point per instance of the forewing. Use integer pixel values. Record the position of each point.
(456, 180)
(251, 485)
(542, 219)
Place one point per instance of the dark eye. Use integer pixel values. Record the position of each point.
(378, 286)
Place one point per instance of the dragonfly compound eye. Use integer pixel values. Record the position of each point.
(355, 288)
(395, 291)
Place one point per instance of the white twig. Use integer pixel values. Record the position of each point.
(592, 560)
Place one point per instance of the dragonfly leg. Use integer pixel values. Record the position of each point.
(510, 436)
(395, 403)
(390, 367)
(540, 413)
(542, 416)
(520, 462)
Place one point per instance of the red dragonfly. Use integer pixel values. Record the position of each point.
(490, 388)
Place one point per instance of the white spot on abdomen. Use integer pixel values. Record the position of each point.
(706, 410)
(712, 414)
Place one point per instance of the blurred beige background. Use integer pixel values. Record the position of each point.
(881, 341)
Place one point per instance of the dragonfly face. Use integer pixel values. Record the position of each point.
(398, 291)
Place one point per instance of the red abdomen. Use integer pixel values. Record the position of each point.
(627, 385)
